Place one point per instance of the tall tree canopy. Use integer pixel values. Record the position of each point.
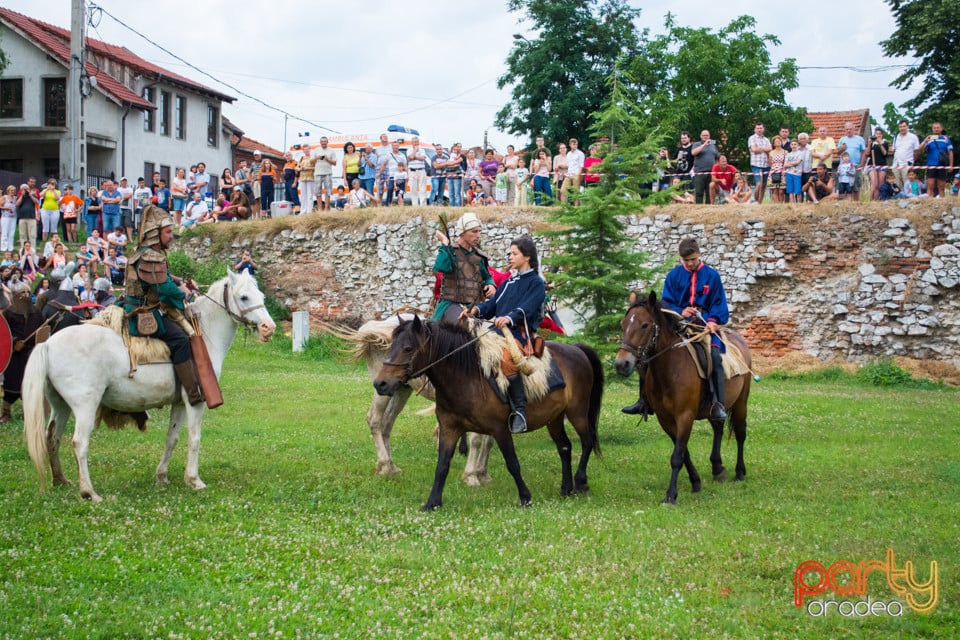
(930, 31)
(558, 76)
(724, 81)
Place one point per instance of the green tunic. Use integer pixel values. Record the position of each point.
(446, 263)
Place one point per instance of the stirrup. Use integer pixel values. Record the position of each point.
(517, 423)
(718, 411)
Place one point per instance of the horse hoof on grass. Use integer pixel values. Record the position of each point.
(581, 488)
(696, 486)
(62, 482)
(429, 507)
(387, 469)
(162, 478)
(740, 477)
(670, 502)
(91, 496)
(720, 477)
(196, 484)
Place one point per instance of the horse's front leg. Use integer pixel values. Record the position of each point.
(505, 442)
(719, 471)
(475, 471)
(82, 429)
(191, 474)
(380, 418)
(680, 458)
(446, 447)
(177, 413)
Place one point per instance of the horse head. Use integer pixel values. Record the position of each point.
(243, 301)
(410, 340)
(640, 329)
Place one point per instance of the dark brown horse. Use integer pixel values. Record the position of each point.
(674, 389)
(466, 401)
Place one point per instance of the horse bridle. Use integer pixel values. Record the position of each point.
(419, 372)
(641, 353)
(239, 318)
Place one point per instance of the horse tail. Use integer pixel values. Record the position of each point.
(596, 394)
(34, 418)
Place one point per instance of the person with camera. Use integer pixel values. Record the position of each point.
(819, 187)
(246, 263)
(705, 156)
(939, 152)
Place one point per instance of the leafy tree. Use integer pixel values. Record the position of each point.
(723, 81)
(558, 76)
(595, 256)
(892, 117)
(930, 31)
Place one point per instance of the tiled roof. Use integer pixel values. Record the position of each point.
(56, 41)
(834, 121)
(243, 143)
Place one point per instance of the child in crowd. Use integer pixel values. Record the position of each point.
(792, 168)
(118, 240)
(500, 186)
(400, 182)
(142, 196)
(81, 281)
(340, 201)
(162, 197)
(846, 176)
(7, 259)
(912, 187)
(681, 196)
(522, 174)
(955, 188)
(889, 190)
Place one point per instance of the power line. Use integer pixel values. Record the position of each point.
(97, 8)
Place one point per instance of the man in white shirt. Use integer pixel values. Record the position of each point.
(195, 211)
(575, 160)
(117, 240)
(201, 179)
(905, 145)
(417, 175)
(324, 159)
(760, 147)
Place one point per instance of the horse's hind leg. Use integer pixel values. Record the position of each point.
(81, 444)
(738, 423)
(559, 435)
(475, 471)
(59, 412)
(719, 471)
(177, 413)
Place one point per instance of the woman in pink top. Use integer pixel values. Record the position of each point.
(541, 177)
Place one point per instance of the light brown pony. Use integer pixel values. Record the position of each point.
(466, 402)
(674, 389)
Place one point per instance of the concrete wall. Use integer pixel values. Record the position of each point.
(839, 285)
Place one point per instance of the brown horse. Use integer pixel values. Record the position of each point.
(467, 402)
(674, 389)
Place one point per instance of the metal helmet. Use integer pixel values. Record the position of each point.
(154, 219)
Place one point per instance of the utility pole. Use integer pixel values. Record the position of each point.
(77, 173)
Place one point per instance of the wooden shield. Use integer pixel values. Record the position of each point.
(6, 344)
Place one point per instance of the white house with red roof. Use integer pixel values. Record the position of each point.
(139, 118)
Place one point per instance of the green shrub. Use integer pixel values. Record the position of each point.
(884, 373)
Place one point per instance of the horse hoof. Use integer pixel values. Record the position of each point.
(62, 482)
(670, 501)
(485, 478)
(581, 488)
(565, 493)
(162, 478)
(196, 484)
(429, 507)
(387, 469)
(696, 486)
(91, 496)
(526, 504)
(740, 477)
(471, 480)
(720, 477)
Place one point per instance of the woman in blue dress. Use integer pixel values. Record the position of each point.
(517, 305)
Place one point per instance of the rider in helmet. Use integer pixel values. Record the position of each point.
(465, 269)
(517, 305)
(694, 290)
(154, 299)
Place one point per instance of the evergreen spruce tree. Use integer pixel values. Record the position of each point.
(596, 259)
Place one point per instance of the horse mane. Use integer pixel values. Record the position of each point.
(446, 338)
(668, 320)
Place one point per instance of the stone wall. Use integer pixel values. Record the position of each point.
(840, 285)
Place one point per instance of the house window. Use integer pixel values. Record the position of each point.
(11, 98)
(148, 169)
(14, 165)
(51, 168)
(165, 113)
(165, 173)
(54, 102)
(150, 115)
(213, 126)
(180, 118)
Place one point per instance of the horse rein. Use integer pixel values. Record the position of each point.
(419, 372)
(239, 318)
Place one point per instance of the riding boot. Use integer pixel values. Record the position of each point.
(518, 404)
(187, 374)
(5, 413)
(717, 410)
(640, 407)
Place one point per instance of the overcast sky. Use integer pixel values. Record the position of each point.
(358, 66)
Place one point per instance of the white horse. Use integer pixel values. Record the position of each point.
(90, 373)
(371, 343)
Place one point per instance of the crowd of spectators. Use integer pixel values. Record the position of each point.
(813, 168)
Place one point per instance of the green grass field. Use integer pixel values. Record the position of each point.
(296, 537)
